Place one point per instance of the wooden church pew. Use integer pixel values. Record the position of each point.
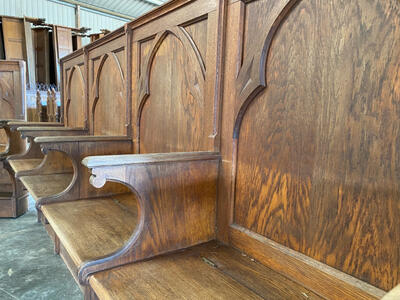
(74, 109)
(21, 149)
(266, 140)
(60, 176)
(13, 199)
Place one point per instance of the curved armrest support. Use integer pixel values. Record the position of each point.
(76, 148)
(177, 202)
(30, 150)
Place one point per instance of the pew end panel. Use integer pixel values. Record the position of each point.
(176, 195)
(13, 198)
(74, 180)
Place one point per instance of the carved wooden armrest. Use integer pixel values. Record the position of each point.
(50, 131)
(13, 125)
(4, 122)
(177, 202)
(74, 149)
(30, 133)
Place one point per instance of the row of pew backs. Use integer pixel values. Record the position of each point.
(303, 112)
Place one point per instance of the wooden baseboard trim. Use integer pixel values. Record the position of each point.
(314, 275)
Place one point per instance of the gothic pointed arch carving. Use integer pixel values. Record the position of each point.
(197, 78)
(78, 71)
(251, 79)
(112, 59)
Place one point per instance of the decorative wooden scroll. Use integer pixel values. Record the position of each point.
(176, 193)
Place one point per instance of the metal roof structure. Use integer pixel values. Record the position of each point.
(122, 8)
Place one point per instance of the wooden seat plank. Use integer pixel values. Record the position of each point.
(19, 165)
(208, 271)
(45, 185)
(90, 229)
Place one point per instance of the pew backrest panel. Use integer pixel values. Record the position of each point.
(173, 81)
(313, 88)
(108, 103)
(74, 77)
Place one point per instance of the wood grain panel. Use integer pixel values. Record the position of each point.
(221, 273)
(145, 48)
(7, 94)
(62, 45)
(172, 92)
(76, 99)
(109, 104)
(14, 38)
(196, 31)
(318, 159)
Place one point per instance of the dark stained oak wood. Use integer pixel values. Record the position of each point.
(89, 229)
(208, 271)
(12, 107)
(297, 102)
(41, 186)
(19, 165)
(75, 148)
(176, 194)
(317, 148)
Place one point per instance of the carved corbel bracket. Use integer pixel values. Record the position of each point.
(177, 201)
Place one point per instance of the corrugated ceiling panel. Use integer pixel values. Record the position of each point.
(134, 8)
(62, 13)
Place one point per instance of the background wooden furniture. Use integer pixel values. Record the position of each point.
(13, 201)
(59, 175)
(41, 47)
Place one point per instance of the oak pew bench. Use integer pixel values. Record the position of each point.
(15, 144)
(32, 153)
(87, 229)
(25, 156)
(13, 197)
(207, 271)
(60, 176)
(175, 201)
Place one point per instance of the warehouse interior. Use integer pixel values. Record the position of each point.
(199, 149)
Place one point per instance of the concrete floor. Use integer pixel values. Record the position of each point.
(29, 269)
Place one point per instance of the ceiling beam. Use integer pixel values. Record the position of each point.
(100, 9)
